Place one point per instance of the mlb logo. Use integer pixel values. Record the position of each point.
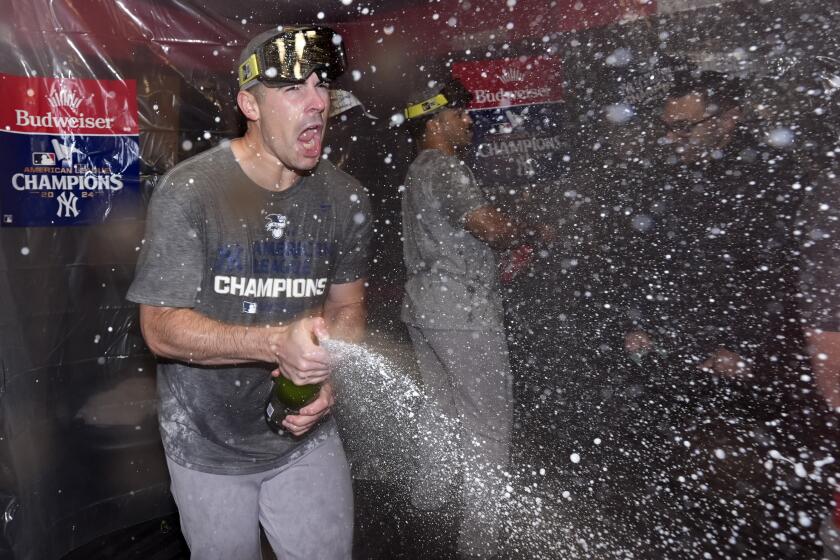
(43, 158)
(249, 307)
(8, 219)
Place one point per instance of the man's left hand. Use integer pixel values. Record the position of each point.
(309, 415)
(727, 363)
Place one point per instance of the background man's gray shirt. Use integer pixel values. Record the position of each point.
(219, 244)
(452, 275)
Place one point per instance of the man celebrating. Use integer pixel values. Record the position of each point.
(254, 251)
(715, 281)
(453, 310)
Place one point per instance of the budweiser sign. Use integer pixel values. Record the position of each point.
(502, 97)
(505, 83)
(70, 106)
(24, 120)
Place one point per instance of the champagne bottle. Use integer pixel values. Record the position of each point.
(287, 398)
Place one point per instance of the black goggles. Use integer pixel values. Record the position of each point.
(292, 55)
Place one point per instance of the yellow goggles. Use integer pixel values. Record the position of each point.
(426, 107)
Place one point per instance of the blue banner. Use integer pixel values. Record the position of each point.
(68, 180)
(519, 145)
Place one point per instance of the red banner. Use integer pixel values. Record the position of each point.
(510, 82)
(68, 106)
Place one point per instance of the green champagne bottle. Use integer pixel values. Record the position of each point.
(287, 398)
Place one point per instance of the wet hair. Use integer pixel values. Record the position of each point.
(258, 90)
(416, 128)
(717, 88)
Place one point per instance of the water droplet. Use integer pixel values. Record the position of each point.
(781, 137)
(397, 119)
(619, 57)
(641, 222)
(619, 113)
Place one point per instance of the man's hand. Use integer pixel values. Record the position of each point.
(299, 357)
(824, 350)
(310, 414)
(727, 363)
(637, 342)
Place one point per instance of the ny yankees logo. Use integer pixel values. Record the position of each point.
(67, 205)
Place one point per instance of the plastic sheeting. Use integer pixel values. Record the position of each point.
(79, 448)
(81, 453)
(102, 98)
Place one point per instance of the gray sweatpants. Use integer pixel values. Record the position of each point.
(468, 374)
(304, 506)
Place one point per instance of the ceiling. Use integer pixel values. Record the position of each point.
(301, 11)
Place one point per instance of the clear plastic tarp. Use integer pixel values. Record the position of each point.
(673, 340)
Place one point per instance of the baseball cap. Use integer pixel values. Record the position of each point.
(288, 55)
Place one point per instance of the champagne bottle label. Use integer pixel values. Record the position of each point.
(287, 398)
(275, 411)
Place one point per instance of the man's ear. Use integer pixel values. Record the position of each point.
(432, 125)
(247, 102)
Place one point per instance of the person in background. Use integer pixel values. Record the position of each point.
(820, 276)
(255, 250)
(818, 225)
(453, 311)
(716, 282)
(347, 129)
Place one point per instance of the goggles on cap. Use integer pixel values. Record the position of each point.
(829, 74)
(452, 95)
(293, 54)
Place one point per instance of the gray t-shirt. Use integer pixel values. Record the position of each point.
(218, 243)
(452, 275)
